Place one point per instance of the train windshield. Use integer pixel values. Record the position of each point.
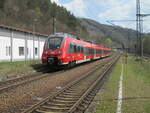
(54, 42)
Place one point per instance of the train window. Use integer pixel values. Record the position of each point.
(93, 51)
(86, 51)
(100, 51)
(89, 51)
(104, 51)
(75, 49)
(54, 42)
(70, 49)
(81, 49)
(71, 46)
(78, 49)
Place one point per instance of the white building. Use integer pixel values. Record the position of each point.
(17, 44)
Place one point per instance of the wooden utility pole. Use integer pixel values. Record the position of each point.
(54, 30)
(54, 19)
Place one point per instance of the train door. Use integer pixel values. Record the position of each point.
(84, 52)
(94, 53)
(102, 52)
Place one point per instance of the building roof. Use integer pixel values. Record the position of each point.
(21, 30)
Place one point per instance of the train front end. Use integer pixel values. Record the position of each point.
(53, 50)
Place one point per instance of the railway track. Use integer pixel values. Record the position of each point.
(9, 84)
(13, 83)
(76, 96)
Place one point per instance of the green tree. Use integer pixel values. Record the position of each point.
(146, 45)
(2, 4)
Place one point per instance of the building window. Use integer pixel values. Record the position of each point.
(21, 51)
(8, 49)
(36, 51)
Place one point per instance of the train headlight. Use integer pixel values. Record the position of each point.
(59, 52)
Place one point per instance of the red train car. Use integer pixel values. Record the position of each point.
(66, 49)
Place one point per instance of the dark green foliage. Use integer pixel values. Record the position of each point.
(119, 36)
(22, 13)
(2, 4)
(146, 44)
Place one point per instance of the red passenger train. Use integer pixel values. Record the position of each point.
(66, 49)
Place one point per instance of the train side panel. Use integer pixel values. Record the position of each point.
(72, 51)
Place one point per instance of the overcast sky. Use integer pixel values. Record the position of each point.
(106, 10)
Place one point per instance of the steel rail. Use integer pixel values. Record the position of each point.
(92, 87)
(4, 86)
(22, 80)
(43, 101)
(23, 77)
(57, 93)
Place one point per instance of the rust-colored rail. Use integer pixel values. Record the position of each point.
(12, 83)
(78, 92)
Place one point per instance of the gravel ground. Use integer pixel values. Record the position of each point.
(18, 97)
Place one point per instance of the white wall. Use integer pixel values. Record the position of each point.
(36, 46)
(42, 41)
(30, 46)
(4, 42)
(20, 39)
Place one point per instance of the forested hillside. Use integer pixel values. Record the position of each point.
(103, 32)
(27, 14)
(39, 13)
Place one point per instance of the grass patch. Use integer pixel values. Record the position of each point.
(13, 68)
(110, 92)
(136, 85)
